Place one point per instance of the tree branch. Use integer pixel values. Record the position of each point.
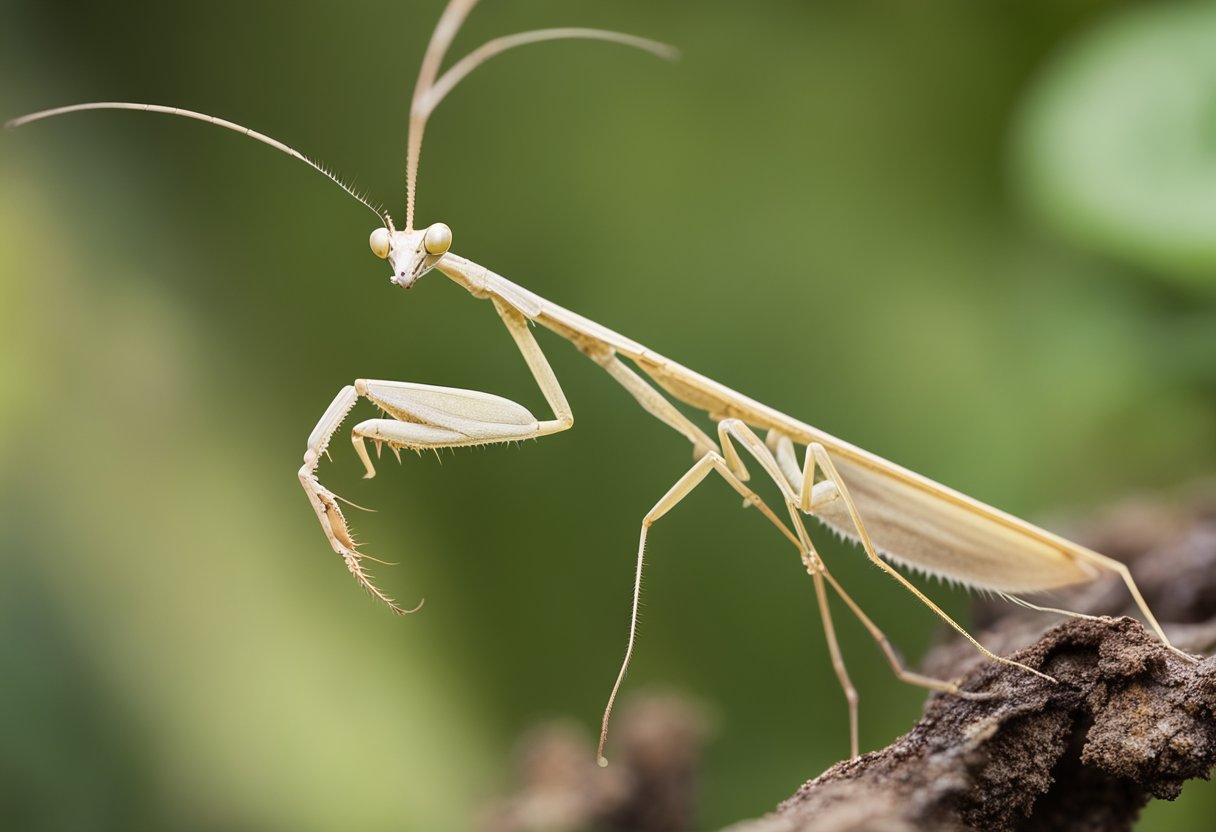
(1128, 721)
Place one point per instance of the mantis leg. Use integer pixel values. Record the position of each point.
(1022, 602)
(325, 503)
(1120, 569)
(824, 461)
(425, 416)
(739, 431)
(652, 401)
(817, 573)
(802, 481)
(695, 475)
(796, 487)
(733, 471)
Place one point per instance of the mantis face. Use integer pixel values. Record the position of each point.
(411, 253)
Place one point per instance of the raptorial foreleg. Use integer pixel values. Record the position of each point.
(426, 416)
(325, 503)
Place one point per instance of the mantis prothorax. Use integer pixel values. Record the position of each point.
(897, 516)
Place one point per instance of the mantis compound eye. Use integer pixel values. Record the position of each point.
(437, 240)
(379, 242)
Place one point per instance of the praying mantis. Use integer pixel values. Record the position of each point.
(897, 516)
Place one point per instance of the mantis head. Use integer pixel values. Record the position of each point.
(411, 253)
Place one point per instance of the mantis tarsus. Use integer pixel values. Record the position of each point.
(895, 514)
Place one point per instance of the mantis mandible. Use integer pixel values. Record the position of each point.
(897, 516)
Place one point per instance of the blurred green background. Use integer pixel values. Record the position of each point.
(836, 207)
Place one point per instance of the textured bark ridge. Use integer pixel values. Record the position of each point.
(1128, 721)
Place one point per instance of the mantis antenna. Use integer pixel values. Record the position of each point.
(432, 88)
(219, 122)
(429, 91)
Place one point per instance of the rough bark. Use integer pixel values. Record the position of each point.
(1127, 721)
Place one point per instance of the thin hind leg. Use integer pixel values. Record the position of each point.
(732, 431)
(799, 490)
(1120, 569)
(842, 674)
(726, 465)
(824, 461)
(1022, 602)
(802, 480)
(683, 487)
(893, 658)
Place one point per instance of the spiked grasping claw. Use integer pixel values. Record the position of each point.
(333, 523)
(355, 566)
(423, 417)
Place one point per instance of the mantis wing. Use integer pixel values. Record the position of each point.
(928, 527)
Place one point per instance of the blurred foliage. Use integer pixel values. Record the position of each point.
(813, 206)
(1118, 144)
